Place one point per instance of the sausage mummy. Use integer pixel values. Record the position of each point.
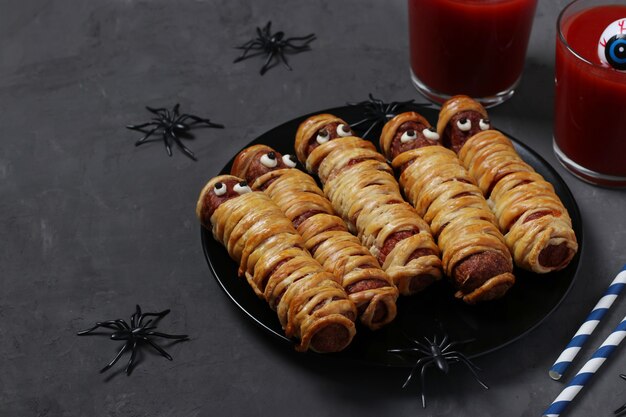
(311, 306)
(363, 191)
(474, 254)
(536, 225)
(326, 235)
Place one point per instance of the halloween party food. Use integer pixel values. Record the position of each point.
(326, 236)
(536, 225)
(362, 189)
(311, 306)
(474, 254)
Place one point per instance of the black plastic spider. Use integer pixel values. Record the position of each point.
(275, 46)
(137, 334)
(378, 112)
(438, 353)
(623, 407)
(172, 125)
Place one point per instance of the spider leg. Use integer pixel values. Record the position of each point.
(158, 111)
(186, 150)
(168, 148)
(197, 120)
(462, 357)
(423, 381)
(282, 57)
(112, 324)
(267, 66)
(471, 367)
(131, 361)
(370, 128)
(452, 344)
(359, 123)
(176, 107)
(157, 348)
(407, 350)
(141, 126)
(168, 336)
(255, 45)
(310, 37)
(146, 136)
(158, 315)
(424, 361)
(116, 358)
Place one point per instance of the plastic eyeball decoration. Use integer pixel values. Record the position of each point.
(484, 124)
(242, 188)
(219, 189)
(612, 45)
(343, 130)
(430, 133)
(289, 160)
(269, 160)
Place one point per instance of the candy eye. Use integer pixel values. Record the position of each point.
(343, 130)
(289, 160)
(269, 160)
(430, 133)
(464, 124)
(242, 188)
(612, 45)
(408, 136)
(322, 136)
(219, 189)
(484, 124)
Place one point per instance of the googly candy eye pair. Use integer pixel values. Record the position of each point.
(269, 160)
(240, 188)
(342, 130)
(409, 135)
(464, 124)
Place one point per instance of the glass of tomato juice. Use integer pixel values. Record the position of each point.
(590, 94)
(472, 47)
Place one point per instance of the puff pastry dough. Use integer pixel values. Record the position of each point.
(364, 192)
(311, 305)
(445, 195)
(326, 235)
(536, 225)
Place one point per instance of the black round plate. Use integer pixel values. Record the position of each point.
(490, 325)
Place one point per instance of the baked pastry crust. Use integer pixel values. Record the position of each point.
(326, 237)
(273, 258)
(536, 225)
(362, 189)
(445, 195)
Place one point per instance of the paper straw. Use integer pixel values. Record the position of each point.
(584, 375)
(592, 320)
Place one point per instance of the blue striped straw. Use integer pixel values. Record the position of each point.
(584, 375)
(592, 320)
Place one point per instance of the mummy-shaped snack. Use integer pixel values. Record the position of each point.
(472, 248)
(325, 234)
(536, 225)
(363, 191)
(311, 305)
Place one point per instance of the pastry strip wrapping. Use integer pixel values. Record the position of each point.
(445, 195)
(363, 191)
(536, 225)
(311, 306)
(326, 235)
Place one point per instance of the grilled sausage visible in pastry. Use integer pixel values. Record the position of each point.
(472, 248)
(312, 307)
(325, 234)
(536, 225)
(363, 191)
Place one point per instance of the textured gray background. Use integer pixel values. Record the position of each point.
(91, 225)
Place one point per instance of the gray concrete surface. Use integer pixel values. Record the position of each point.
(91, 225)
